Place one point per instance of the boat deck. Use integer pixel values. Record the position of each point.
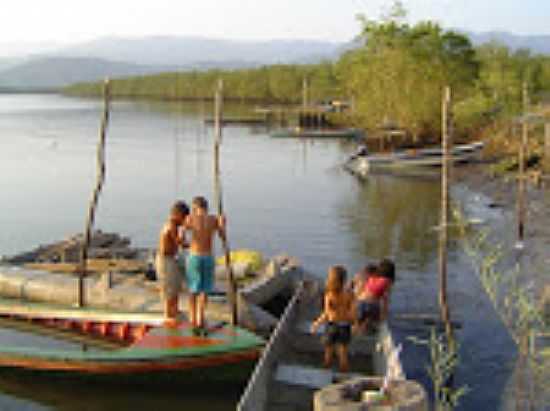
(299, 371)
(290, 371)
(145, 345)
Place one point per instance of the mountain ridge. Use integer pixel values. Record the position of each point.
(124, 56)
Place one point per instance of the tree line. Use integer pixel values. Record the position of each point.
(394, 77)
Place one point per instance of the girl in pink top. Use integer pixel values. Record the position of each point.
(374, 295)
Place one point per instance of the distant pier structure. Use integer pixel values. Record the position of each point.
(310, 116)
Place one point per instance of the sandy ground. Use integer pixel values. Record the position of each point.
(494, 200)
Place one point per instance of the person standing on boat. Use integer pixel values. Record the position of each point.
(338, 314)
(200, 262)
(374, 296)
(360, 279)
(362, 151)
(170, 275)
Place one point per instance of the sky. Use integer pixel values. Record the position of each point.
(33, 25)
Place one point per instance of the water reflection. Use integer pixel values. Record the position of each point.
(66, 393)
(393, 217)
(281, 195)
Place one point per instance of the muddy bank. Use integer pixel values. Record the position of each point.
(515, 278)
(491, 203)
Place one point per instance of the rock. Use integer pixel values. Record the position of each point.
(357, 395)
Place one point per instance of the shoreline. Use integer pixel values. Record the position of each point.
(515, 280)
(493, 199)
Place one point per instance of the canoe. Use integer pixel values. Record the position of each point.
(290, 371)
(237, 121)
(142, 344)
(425, 158)
(349, 133)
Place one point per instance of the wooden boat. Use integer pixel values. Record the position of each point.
(427, 158)
(289, 372)
(237, 121)
(345, 133)
(142, 345)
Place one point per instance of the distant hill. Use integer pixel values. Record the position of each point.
(8, 62)
(123, 57)
(186, 51)
(56, 72)
(537, 44)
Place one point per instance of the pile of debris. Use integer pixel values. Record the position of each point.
(102, 246)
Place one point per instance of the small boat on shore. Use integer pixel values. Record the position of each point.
(427, 158)
(140, 344)
(331, 133)
(289, 373)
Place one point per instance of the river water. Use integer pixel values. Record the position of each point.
(281, 196)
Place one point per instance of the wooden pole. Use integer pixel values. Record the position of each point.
(305, 93)
(100, 179)
(218, 121)
(446, 134)
(547, 148)
(522, 158)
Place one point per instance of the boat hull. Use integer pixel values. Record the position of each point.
(141, 344)
(328, 134)
(426, 159)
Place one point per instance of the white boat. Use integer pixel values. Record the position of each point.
(431, 158)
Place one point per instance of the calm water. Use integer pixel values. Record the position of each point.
(281, 196)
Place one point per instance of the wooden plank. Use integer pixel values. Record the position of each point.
(37, 310)
(255, 394)
(93, 265)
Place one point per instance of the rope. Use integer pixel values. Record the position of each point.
(100, 180)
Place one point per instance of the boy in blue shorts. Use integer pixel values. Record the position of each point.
(200, 262)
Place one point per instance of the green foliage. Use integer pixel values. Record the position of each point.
(443, 363)
(401, 71)
(278, 83)
(395, 77)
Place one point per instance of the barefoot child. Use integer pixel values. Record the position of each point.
(200, 262)
(374, 296)
(339, 314)
(166, 266)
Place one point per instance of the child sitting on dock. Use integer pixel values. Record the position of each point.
(374, 296)
(338, 314)
(200, 262)
(171, 238)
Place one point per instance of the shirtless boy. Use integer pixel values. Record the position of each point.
(200, 262)
(338, 314)
(166, 266)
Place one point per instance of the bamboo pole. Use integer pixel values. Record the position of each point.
(522, 158)
(100, 179)
(232, 292)
(547, 148)
(305, 93)
(446, 130)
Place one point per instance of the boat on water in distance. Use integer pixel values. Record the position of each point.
(142, 345)
(423, 158)
(332, 133)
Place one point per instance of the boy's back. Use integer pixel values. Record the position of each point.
(200, 262)
(339, 306)
(203, 228)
